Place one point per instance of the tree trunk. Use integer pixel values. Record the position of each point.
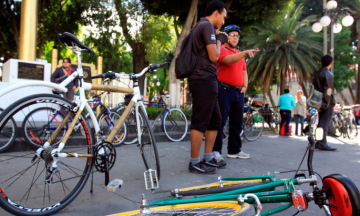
(282, 82)
(346, 102)
(271, 99)
(139, 62)
(352, 95)
(302, 84)
(174, 84)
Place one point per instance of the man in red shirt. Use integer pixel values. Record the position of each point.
(233, 83)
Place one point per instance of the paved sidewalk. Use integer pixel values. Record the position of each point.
(268, 154)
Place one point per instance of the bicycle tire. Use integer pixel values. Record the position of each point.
(254, 124)
(352, 130)
(107, 124)
(344, 129)
(36, 133)
(210, 208)
(335, 128)
(226, 131)
(7, 134)
(20, 171)
(148, 148)
(215, 187)
(130, 122)
(175, 124)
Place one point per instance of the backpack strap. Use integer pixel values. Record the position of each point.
(217, 71)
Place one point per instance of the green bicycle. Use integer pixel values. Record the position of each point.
(245, 195)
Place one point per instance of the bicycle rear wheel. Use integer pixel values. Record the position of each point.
(107, 123)
(352, 129)
(226, 131)
(276, 123)
(7, 134)
(335, 127)
(206, 208)
(148, 148)
(175, 124)
(22, 175)
(253, 127)
(36, 132)
(216, 187)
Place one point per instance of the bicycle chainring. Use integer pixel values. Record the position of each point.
(104, 152)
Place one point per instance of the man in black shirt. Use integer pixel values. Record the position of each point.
(323, 81)
(206, 117)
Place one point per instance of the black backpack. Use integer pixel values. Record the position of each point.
(186, 60)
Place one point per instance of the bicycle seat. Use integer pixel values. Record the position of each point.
(58, 92)
(68, 39)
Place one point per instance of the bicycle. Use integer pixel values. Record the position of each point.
(8, 134)
(336, 124)
(272, 117)
(338, 195)
(54, 175)
(173, 121)
(37, 132)
(350, 128)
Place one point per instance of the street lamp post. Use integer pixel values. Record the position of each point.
(331, 16)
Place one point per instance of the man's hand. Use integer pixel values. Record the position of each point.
(243, 90)
(335, 91)
(252, 52)
(222, 36)
(319, 110)
(74, 87)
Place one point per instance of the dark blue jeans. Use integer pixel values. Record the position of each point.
(324, 119)
(299, 119)
(285, 118)
(231, 104)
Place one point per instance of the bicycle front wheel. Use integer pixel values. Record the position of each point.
(147, 144)
(253, 127)
(352, 129)
(175, 125)
(206, 208)
(107, 121)
(7, 134)
(130, 122)
(31, 185)
(216, 187)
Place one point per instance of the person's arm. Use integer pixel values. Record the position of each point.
(279, 101)
(231, 59)
(245, 79)
(54, 76)
(293, 104)
(327, 92)
(214, 51)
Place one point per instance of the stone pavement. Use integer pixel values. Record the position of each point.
(268, 154)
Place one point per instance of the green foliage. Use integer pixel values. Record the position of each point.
(345, 57)
(288, 45)
(244, 13)
(54, 17)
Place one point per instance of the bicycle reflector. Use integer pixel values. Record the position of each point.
(299, 200)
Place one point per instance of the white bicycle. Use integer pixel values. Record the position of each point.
(45, 180)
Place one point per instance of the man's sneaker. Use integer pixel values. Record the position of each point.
(241, 155)
(214, 163)
(217, 156)
(201, 168)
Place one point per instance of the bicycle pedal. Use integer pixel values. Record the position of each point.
(151, 180)
(114, 185)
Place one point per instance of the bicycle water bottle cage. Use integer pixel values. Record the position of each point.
(151, 180)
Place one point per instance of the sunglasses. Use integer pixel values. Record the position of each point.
(234, 35)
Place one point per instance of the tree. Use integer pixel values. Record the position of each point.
(53, 17)
(285, 46)
(345, 58)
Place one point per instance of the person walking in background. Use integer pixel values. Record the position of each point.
(323, 81)
(299, 111)
(61, 73)
(286, 101)
(206, 116)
